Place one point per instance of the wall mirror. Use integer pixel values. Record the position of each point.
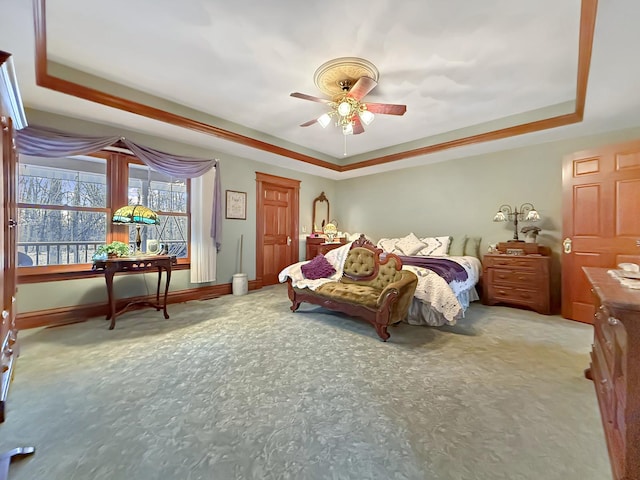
(320, 213)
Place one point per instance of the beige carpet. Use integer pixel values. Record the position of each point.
(241, 388)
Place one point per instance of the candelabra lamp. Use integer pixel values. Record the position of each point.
(137, 215)
(526, 213)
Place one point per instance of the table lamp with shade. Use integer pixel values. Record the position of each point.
(136, 215)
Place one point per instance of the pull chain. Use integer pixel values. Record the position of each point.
(345, 145)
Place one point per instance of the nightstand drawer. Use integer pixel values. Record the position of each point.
(515, 295)
(510, 261)
(510, 276)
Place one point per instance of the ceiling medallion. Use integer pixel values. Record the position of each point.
(333, 76)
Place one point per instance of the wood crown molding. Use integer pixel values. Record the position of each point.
(43, 79)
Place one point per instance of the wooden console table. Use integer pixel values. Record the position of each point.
(112, 266)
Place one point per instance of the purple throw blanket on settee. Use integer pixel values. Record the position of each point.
(447, 269)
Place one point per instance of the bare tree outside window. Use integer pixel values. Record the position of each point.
(167, 197)
(61, 209)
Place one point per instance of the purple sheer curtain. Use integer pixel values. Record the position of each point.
(50, 143)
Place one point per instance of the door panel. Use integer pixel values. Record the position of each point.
(628, 217)
(277, 226)
(601, 191)
(586, 218)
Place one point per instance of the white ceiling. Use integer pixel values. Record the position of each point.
(455, 64)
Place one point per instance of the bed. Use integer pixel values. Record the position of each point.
(437, 301)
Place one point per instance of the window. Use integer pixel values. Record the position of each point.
(168, 198)
(65, 207)
(62, 210)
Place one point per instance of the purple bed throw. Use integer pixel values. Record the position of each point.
(447, 269)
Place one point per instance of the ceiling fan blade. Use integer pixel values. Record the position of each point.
(304, 96)
(386, 108)
(363, 86)
(309, 123)
(357, 125)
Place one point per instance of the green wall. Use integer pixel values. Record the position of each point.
(449, 198)
(236, 174)
(461, 196)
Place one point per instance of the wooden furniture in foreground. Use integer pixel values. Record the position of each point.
(615, 369)
(112, 266)
(314, 243)
(518, 280)
(8, 254)
(6, 457)
(375, 289)
(323, 248)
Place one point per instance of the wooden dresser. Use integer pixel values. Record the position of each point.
(314, 243)
(517, 280)
(615, 369)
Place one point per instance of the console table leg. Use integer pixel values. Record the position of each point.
(112, 304)
(158, 288)
(166, 290)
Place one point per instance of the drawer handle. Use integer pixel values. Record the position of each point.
(603, 381)
(613, 321)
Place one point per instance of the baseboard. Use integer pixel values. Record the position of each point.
(80, 313)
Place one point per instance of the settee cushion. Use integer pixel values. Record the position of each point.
(351, 293)
(319, 267)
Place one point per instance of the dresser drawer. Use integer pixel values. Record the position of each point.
(602, 382)
(511, 261)
(513, 276)
(521, 296)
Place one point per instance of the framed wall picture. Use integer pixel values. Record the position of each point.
(236, 205)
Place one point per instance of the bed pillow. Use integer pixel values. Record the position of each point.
(434, 246)
(410, 245)
(319, 267)
(389, 245)
(456, 247)
(472, 247)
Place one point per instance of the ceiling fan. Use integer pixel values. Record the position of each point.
(347, 109)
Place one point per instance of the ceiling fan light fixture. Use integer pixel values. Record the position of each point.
(324, 120)
(367, 117)
(344, 108)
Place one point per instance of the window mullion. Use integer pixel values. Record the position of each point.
(118, 177)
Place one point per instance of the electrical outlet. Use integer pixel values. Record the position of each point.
(304, 229)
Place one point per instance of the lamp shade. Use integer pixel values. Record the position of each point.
(344, 108)
(533, 216)
(137, 214)
(367, 117)
(500, 217)
(324, 120)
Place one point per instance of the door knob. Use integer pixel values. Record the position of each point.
(288, 240)
(566, 245)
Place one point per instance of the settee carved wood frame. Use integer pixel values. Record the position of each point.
(379, 317)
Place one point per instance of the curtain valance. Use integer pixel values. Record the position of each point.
(50, 143)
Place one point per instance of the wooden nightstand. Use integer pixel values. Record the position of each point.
(314, 243)
(323, 248)
(517, 280)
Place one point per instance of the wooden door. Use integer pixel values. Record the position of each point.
(601, 219)
(277, 226)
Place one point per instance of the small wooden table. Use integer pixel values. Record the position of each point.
(140, 263)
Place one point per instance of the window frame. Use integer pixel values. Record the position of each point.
(117, 175)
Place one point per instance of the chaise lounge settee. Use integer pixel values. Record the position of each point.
(373, 287)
